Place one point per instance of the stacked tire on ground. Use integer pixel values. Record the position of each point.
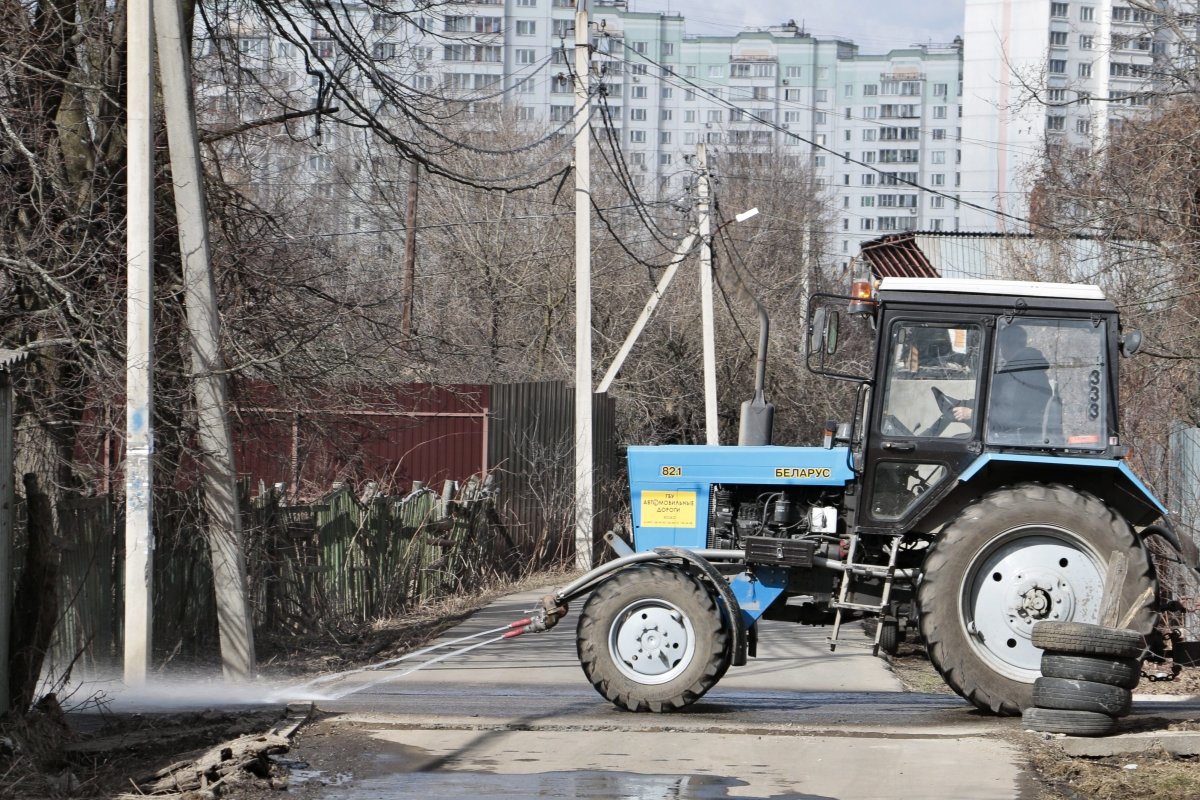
(1088, 676)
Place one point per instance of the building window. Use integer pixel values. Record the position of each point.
(525, 55)
(937, 156)
(640, 47)
(939, 112)
(527, 3)
(638, 93)
(1086, 13)
(637, 115)
(846, 134)
(668, 49)
(868, 179)
(1055, 123)
(793, 72)
(870, 112)
(667, 91)
(560, 113)
(819, 139)
(848, 90)
(716, 71)
(869, 134)
(1083, 126)
(666, 115)
(868, 157)
(938, 179)
(868, 201)
(714, 115)
(820, 118)
(1058, 38)
(940, 89)
(791, 95)
(821, 95)
(937, 201)
(867, 224)
(1085, 70)
(870, 89)
(488, 24)
(637, 137)
(818, 161)
(1086, 41)
(526, 27)
(1056, 96)
(524, 86)
(1058, 66)
(1059, 9)
(939, 134)
(689, 116)
(562, 28)
(1121, 14)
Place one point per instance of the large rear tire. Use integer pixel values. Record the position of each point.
(652, 638)
(1018, 556)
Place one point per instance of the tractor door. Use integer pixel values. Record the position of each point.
(923, 428)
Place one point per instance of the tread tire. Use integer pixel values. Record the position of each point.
(601, 612)
(979, 528)
(1065, 694)
(1084, 639)
(1122, 672)
(1071, 723)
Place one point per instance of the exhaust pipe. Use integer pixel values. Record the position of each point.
(758, 416)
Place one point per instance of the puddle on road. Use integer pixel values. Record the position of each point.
(584, 784)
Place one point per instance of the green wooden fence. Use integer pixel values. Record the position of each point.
(338, 561)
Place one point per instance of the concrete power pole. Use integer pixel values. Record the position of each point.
(708, 329)
(204, 326)
(583, 298)
(139, 405)
(410, 251)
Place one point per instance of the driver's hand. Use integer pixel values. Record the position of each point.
(962, 413)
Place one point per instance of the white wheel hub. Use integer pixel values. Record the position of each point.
(1024, 576)
(651, 641)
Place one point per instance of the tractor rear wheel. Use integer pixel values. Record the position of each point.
(652, 638)
(1017, 556)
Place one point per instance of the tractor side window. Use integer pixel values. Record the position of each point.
(1048, 384)
(932, 380)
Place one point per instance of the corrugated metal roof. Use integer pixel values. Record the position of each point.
(997, 256)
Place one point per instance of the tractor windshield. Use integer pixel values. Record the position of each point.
(1048, 384)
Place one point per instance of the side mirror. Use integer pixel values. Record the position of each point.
(816, 331)
(1130, 343)
(831, 332)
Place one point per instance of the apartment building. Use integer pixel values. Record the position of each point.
(1040, 77)
(873, 127)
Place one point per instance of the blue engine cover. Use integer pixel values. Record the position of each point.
(669, 484)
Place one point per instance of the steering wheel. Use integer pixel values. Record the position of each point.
(894, 427)
(946, 405)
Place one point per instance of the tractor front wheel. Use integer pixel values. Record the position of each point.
(652, 638)
(1020, 555)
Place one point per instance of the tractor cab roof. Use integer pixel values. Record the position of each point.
(993, 293)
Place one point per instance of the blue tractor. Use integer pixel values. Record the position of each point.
(978, 487)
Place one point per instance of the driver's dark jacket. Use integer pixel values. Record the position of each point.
(1020, 391)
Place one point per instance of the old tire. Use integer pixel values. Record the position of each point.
(1083, 639)
(1066, 694)
(1016, 556)
(1072, 723)
(1122, 672)
(652, 638)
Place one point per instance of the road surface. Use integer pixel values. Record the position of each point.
(518, 719)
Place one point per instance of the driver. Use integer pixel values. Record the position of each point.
(1020, 387)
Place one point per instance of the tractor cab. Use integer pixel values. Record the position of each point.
(962, 369)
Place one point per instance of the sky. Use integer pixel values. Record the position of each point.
(876, 26)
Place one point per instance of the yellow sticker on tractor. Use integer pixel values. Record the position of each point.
(668, 509)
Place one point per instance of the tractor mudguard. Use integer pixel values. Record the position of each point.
(1109, 479)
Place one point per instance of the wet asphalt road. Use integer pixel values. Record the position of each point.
(518, 719)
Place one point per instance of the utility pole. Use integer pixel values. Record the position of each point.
(410, 251)
(583, 297)
(708, 330)
(139, 405)
(208, 368)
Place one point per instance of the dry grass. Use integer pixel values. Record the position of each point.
(1145, 776)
